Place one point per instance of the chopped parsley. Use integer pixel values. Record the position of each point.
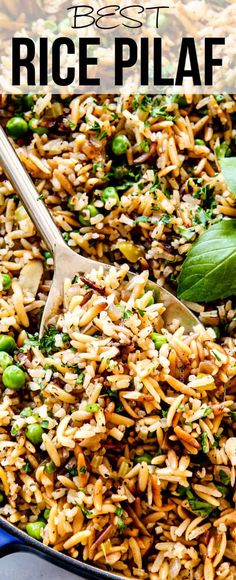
(83, 469)
(144, 145)
(224, 478)
(85, 512)
(200, 507)
(79, 380)
(187, 233)
(27, 412)
(75, 279)
(125, 314)
(216, 355)
(15, 430)
(166, 219)
(66, 236)
(207, 412)
(155, 183)
(204, 442)
(224, 490)
(202, 217)
(97, 166)
(141, 219)
(47, 342)
(222, 150)
(161, 112)
(120, 523)
(73, 471)
(27, 467)
(102, 136)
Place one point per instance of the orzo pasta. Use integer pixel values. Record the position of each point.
(117, 435)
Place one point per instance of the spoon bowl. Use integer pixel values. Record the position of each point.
(67, 263)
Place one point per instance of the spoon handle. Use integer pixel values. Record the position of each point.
(28, 194)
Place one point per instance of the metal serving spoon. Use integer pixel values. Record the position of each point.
(67, 262)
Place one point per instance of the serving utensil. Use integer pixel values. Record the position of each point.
(67, 263)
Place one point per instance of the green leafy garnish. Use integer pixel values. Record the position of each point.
(200, 507)
(27, 467)
(144, 145)
(83, 469)
(204, 442)
(73, 471)
(85, 512)
(222, 150)
(120, 524)
(202, 216)
(141, 219)
(166, 219)
(47, 342)
(224, 477)
(187, 233)
(80, 379)
(224, 490)
(66, 236)
(27, 412)
(228, 168)
(208, 271)
(161, 112)
(207, 412)
(182, 491)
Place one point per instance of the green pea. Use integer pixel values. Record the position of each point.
(5, 360)
(86, 214)
(17, 127)
(28, 101)
(92, 408)
(36, 128)
(50, 467)
(110, 194)
(34, 529)
(7, 343)
(199, 142)
(13, 378)
(46, 514)
(158, 339)
(6, 281)
(120, 144)
(34, 433)
(146, 458)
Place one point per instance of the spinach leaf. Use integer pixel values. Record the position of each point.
(228, 167)
(208, 272)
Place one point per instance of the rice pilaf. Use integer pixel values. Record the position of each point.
(135, 465)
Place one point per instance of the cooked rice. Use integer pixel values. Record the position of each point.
(175, 515)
